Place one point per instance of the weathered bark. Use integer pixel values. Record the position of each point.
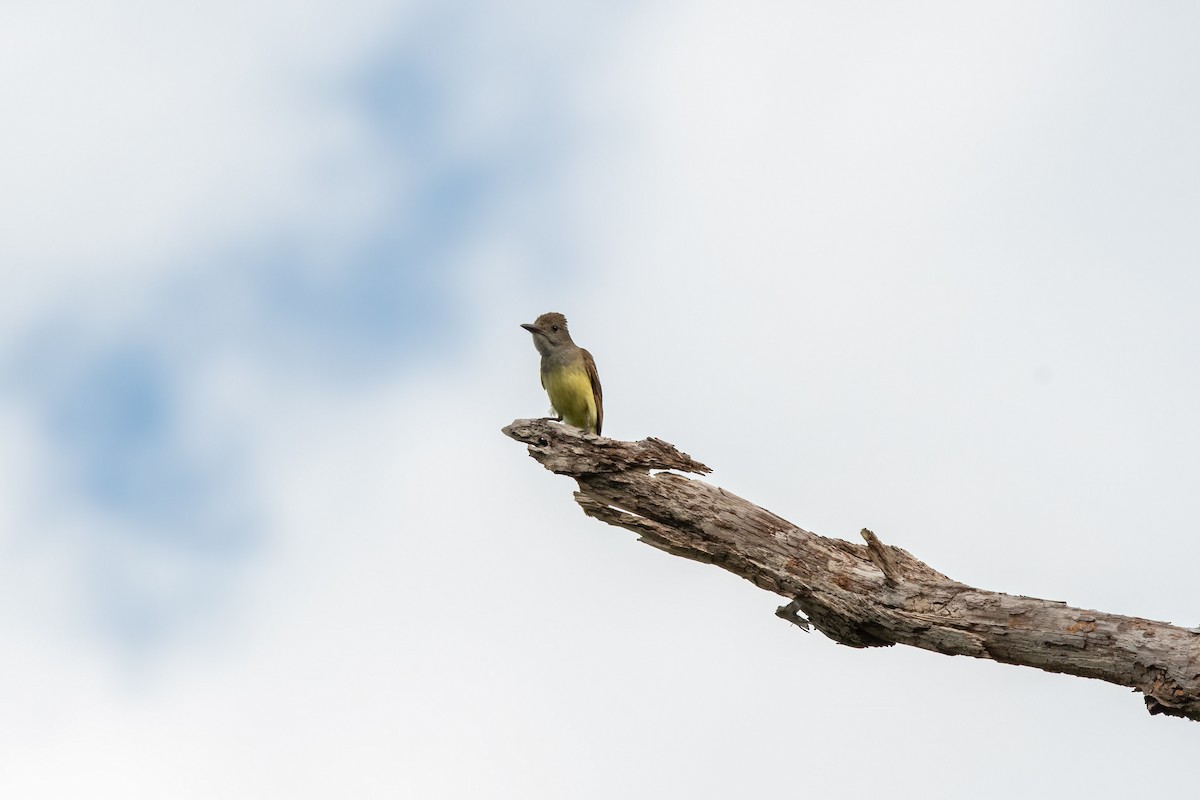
(871, 595)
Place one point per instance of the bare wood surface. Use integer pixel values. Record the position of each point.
(871, 595)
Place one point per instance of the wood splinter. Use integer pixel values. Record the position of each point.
(791, 612)
(881, 557)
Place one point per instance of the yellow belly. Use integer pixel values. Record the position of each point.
(571, 395)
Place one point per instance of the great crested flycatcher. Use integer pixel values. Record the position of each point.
(568, 373)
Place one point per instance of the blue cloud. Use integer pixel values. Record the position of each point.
(127, 495)
(116, 410)
(112, 420)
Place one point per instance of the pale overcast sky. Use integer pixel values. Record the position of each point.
(926, 268)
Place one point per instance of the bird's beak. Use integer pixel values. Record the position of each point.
(534, 329)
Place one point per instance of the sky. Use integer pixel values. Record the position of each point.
(925, 268)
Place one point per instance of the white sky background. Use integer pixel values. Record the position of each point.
(926, 269)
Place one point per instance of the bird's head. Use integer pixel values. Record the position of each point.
(549, 332)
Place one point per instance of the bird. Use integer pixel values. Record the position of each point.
(569, 373)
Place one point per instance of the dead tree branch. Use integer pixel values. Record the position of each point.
(871, 595)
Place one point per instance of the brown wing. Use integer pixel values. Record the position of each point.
(594, 377)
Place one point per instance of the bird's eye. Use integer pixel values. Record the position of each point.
(554, 328)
